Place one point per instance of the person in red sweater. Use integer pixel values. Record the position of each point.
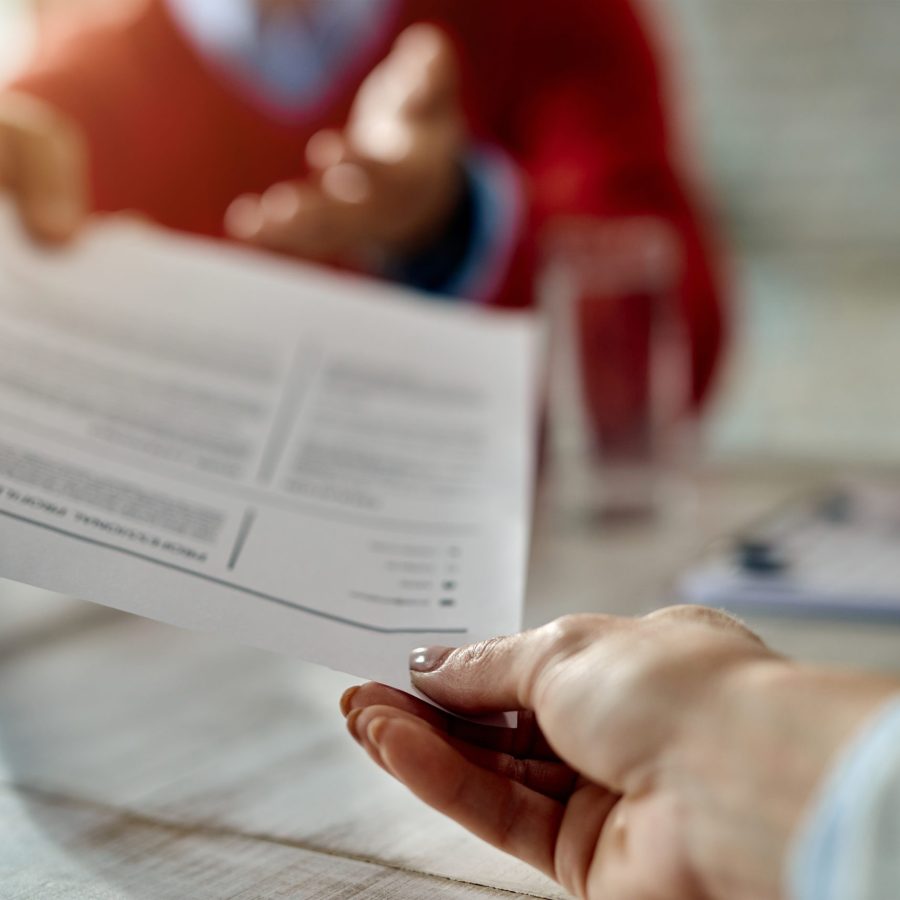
(422, 140)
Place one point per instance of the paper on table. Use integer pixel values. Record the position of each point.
(310, 463)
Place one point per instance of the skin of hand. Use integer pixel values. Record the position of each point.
(386, 183)
(43, 165)
(667, 757)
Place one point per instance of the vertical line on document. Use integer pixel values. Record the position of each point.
(241, 539)
(305, 362)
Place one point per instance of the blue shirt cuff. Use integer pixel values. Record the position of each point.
(498, 218)
(471, 255)
(849, 846)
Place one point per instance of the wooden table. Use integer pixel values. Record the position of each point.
(141, 761)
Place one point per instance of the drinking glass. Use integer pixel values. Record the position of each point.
(621, 427)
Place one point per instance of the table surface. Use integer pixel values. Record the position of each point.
(140, 761)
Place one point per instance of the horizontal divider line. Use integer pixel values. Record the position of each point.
(290, 604)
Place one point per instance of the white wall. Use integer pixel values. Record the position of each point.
(796, 106)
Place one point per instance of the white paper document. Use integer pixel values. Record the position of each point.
(310, 463)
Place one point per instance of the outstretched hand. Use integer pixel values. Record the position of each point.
(384, 185)
(664, 757)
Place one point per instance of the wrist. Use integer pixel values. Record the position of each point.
(768, 741)
(432, 259)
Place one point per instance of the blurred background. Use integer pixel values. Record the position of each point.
(792, 109)
(788, 115)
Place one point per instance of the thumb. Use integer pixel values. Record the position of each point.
(497, 675)
(427, 56)
(417, 82)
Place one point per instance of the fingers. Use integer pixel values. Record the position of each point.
(326, 217)
(303, 219)
(585, 826)
(325, 149)
(342, 177)
(524, 741)
(502, 812)
(44, 163)
(550, 778)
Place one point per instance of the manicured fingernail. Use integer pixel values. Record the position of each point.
(427, 659)
(347, 699)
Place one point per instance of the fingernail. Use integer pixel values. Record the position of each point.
(427, 659)
(347, 699)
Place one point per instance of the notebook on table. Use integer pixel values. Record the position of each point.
(834, 552)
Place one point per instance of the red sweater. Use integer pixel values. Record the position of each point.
(568, 89)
